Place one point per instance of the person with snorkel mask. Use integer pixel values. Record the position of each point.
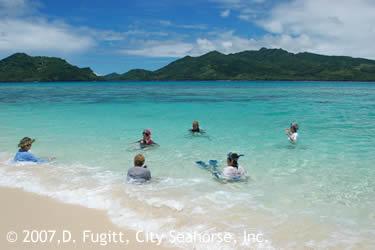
(146, 140)
(233, 170)
(292, 132)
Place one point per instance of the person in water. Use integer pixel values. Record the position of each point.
(146, 140)
(139, 172)
(292, 132)
(233, 170)
(23, 154)
(195, 128)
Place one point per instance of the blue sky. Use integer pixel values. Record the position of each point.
(115, 36)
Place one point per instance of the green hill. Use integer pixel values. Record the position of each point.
(21, 67)
(264, 64)
(134, 74)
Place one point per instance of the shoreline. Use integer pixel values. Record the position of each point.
(56, 222)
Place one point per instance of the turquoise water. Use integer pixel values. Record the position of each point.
(319, 193)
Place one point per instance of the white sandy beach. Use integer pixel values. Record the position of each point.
(22, 212)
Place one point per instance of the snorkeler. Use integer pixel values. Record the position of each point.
(292, 132)
(146, 140)
(23, 154)
(195, 128)
(233, 170)
(139, 172)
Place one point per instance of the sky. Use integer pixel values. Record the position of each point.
(116, 36)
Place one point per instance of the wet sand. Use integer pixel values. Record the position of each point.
(55, 222)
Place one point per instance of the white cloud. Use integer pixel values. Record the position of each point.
(225, 13)
(165, 22)
(38, 35)
(245, 9)
(244, 17)
(334, 27)
(160, 49)
(17, 7)
(168, 23)
(203, 45)
(22, 31)
(339, 27)
(327, 27)
(225, 42)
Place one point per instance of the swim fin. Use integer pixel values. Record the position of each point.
(213, 163)
(202, 164)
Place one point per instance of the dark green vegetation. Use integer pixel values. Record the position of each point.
(263, 64)
(20, 67)
(134, 74)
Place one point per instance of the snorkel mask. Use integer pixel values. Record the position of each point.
(233, 156)
(147, 132)
(294, 126)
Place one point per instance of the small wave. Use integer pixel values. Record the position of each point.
(172, 201)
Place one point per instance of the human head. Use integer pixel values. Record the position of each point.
(232, 159)
(195, 125)
(146, 133)
(26, 143)
(294, 127)
(139, 160)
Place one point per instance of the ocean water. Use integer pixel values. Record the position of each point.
(317, 194)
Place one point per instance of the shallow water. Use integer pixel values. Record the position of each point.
(319, 193)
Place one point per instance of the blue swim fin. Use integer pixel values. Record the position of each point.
(217, 174)
(213, 163)
(201, 164)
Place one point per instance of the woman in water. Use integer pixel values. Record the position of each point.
(146, 140)
(292, 132)
(195, 128)
(233, 170)
(139, 172)
(23, 154)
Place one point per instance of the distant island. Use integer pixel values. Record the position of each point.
(263, 64)
(21, 67)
